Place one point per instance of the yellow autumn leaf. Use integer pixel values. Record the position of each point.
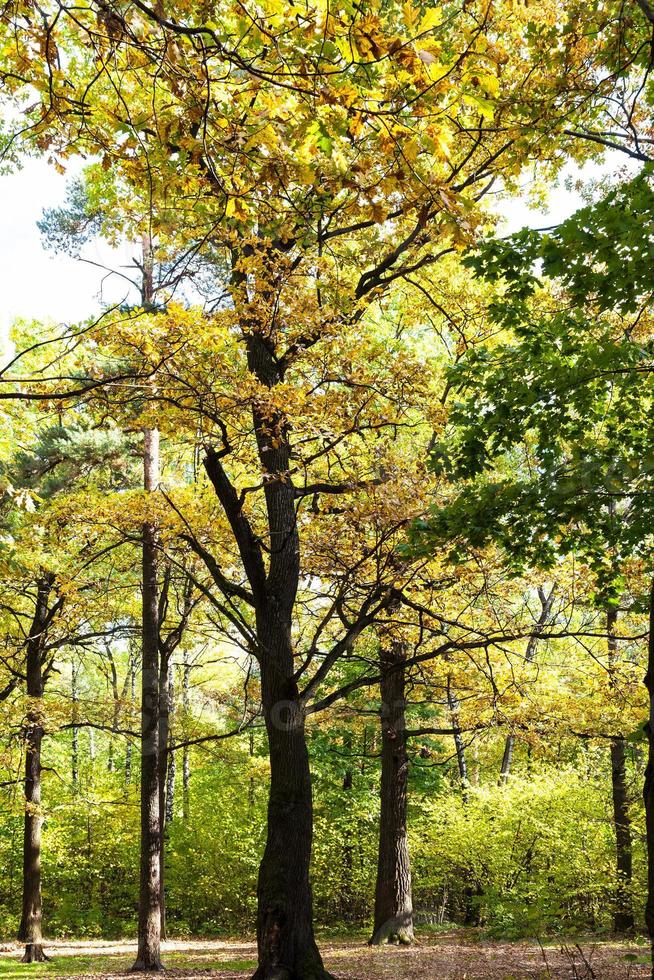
(483, 106)
(410, 150)
(408, 14)
(431, 19)
(490, 84)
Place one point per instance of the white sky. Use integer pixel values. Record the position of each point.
(39, 285)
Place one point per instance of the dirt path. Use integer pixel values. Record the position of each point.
(451, 956)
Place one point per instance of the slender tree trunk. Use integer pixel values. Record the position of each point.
(115, 718)
(132, 693)
(507, 759)
(171, 769)
(74, 762)
(648, 786)
(186, 758)
(623, 919)
(164, 726)
(166, 770)
(393, 903)
(251, 780)
(472, 889)
(546, 603)
(30, 930)
(348, 898)
(475, 769)
(285, 939)
(149, 927)
(453, 705)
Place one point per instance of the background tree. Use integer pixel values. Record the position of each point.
(567, 438)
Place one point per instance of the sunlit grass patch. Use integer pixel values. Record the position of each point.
(102, 965)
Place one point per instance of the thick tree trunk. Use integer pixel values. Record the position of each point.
(30, 925)
(285, 939)
(30, 929)
(623, 919)
(286, 945)
(648, 786)
(149, 926)
(393, 904)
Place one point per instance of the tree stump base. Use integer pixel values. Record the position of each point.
(34, 953)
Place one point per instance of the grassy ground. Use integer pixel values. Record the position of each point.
(102, 959)
(449, 956)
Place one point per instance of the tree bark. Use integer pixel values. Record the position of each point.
(393, 921)
(648, 785)
(546, 603)
(115, 694)
(623, 919)
(149, 925)
(74, 762)
(166, 770)
(186, 758)
(286, 944)
(285, 940)
(30, 930)
(348, 897)
(472, 889)
(507, 759)
(132, 692)
(164, 725)
(171, 768)
(453, 705)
